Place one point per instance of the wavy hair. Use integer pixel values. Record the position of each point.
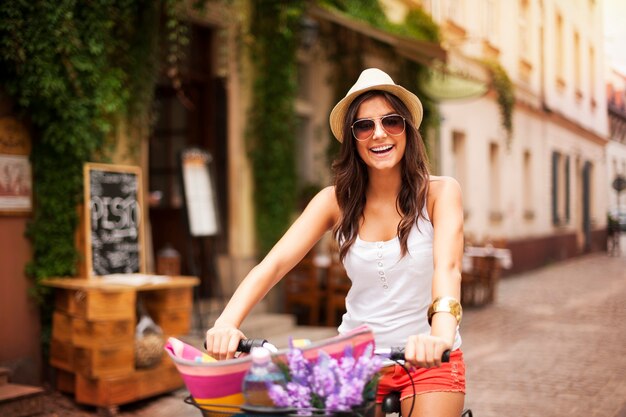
(351, 178)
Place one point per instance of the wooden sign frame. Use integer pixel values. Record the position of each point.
(88, 169)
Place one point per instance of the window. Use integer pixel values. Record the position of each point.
(460, 159)
(592, 76)
(455, 10)
(527, 188)
(490, 16)
(577, 65)
(494, 183)
(559, 52)
(560, 189)
(524, 31)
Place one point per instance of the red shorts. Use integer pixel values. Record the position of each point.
(449, 377)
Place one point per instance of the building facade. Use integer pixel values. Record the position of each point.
(616, 148)
(543, 190)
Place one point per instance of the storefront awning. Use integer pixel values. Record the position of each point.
(423, 52)
(450, 76)
(460, 78)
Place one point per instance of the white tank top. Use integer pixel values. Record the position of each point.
(390, 293)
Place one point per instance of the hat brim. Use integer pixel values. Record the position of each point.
(410, 100)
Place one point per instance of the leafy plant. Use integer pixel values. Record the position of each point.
(506, 95)
(74, 70)
(275, 29)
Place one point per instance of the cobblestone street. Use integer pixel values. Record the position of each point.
(552, 344)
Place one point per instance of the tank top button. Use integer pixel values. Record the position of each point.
(380, 264)
(381, 273)
(385, 286)
(380, 255)
(379, 244)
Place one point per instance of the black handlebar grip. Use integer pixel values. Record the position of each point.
(246, 345)
(398, 354)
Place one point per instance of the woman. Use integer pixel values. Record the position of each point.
(400, 236)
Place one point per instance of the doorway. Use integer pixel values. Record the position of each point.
(193, 115)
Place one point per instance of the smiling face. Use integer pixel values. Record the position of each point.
(382, 151)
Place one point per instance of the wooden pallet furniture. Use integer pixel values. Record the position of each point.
(93, 338)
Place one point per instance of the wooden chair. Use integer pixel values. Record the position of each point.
(478, 286)
(302, 288)
(337, 286)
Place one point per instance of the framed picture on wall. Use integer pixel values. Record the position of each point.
(15, 184)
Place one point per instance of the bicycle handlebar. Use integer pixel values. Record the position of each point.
(246, 345)
(394, 353)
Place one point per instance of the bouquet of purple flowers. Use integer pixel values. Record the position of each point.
(327, 384)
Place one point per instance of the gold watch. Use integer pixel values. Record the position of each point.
(445, 305)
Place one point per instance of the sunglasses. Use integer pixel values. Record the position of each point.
(363, 129)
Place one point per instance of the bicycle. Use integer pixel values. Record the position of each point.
(233, 405)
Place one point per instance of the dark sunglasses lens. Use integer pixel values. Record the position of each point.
(363, 129)
(394, 125)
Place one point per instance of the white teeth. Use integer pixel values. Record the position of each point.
(382, 148)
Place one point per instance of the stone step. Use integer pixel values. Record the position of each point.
(267, 324)
(20, 400)
(212, 308)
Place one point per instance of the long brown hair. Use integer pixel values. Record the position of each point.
(351, 178)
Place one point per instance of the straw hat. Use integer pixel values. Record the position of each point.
(374, 79)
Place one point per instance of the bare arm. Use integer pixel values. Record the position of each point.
(447, 219)
(317, 218)
(448, 253)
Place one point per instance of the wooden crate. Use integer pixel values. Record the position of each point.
(140, 384)
(97, 304)
(61, 327)
(92, 333)
(173, 322)
(171, 298)
(101, 361)
(65, 381)
(62, 355)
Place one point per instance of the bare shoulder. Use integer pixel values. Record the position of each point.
(442, 186)
(326, 202)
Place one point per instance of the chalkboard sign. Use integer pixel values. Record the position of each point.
(113, 220)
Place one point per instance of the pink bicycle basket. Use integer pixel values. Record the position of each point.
(219, 382)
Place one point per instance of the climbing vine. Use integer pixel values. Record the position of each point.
(74, 70)
(275, 29)
(501, 82)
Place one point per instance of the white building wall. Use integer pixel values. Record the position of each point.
(575, 125)
(616, 148)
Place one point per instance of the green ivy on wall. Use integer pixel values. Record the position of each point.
(505, 92)
(272, 125)
(74, 70)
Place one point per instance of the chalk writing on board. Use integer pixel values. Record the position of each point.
(115, 218)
